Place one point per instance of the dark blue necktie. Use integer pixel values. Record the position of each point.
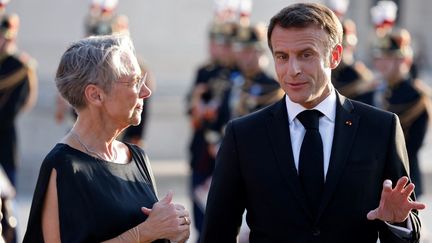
(311, 162)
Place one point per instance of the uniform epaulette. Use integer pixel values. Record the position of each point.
(28, 61)
(209, 66)
(422, 87)
(364, 72)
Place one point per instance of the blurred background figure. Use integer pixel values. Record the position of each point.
(18, 92)
(232, 83)
(7, 216)
(351, 78)
(256, 88)
(384, 15)
(102, 19)
(209, 100)
(3, 4)
(92, 18)
(405, 95)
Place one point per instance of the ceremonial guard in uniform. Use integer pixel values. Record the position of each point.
(405, 95)
(18, 91)
(256, 88)
(7, 216)
(209, 111)
(351, 78)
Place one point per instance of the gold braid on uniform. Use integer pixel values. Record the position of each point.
(11, 81)
(360, 86)
(413, 109)
(269, 98)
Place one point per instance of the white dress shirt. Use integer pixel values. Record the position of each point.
(326, 127)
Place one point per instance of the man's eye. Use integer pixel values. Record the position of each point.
(281, 57)
(306, 55)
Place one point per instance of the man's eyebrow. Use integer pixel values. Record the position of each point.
(279, 52)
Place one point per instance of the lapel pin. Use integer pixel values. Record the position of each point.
(348, 123)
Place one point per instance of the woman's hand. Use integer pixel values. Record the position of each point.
(166, 220)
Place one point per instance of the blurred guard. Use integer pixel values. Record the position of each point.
(101, 17)
(253, 89)
(405, 96)
(8, 219)
(18, 91)
(256, 89)
(384, 15)
(352, 78)
(3, 4)
(209, 111)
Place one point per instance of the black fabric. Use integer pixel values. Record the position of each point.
(12, 100)
(402, 99)
(311, 163)
(98, 200)
(255, 170)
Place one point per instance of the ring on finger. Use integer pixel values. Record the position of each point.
(187, 221)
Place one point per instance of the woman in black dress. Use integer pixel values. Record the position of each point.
(91, 187)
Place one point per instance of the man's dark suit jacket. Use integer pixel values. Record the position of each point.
(255, 171)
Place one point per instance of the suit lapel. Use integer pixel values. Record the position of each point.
(278, 129)
(346, 124)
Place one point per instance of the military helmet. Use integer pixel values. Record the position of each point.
(9, 25)
(252, 35)
(396, 43)
(222, 32)
(349, 33)
(384, 13)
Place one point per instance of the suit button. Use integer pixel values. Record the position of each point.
(316, 232)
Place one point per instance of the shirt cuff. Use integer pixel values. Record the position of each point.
(402, 232)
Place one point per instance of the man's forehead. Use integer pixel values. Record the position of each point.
(298, 38)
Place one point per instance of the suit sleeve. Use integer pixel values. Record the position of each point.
(398, 166)
(226, 200)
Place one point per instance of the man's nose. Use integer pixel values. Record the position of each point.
(294, 67)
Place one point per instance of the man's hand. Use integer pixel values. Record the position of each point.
(395, 204)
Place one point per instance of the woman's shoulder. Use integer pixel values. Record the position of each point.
(138, 154)
(61, 155)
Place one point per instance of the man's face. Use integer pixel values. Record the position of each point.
(389, 67)
(247, 58)
(303, 63)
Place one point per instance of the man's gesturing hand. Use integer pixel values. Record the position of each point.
(395, 204)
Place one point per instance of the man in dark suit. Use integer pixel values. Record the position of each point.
(329, 180)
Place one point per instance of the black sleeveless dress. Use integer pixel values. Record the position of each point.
(98, 200)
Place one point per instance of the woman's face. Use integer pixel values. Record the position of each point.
(124, 103)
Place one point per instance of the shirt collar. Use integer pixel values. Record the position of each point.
(326, 107)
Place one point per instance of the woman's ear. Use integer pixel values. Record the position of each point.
(93, 94)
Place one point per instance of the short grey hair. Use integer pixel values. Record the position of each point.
(98, 60)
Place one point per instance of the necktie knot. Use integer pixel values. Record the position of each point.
(310, 119)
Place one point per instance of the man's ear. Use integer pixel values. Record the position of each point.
(336, 56)
(94, 94)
